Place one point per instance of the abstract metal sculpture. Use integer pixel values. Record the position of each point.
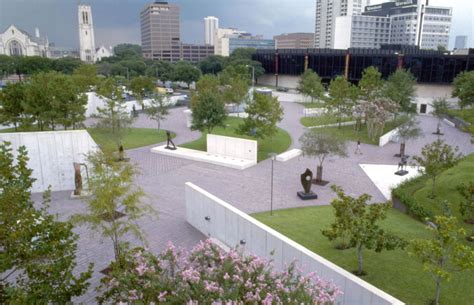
(306, 180)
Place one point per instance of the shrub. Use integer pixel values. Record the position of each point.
(405, 196)
(206, 275)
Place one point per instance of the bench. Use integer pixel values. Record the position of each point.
(289, 154)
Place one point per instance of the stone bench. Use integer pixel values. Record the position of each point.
(289, 154)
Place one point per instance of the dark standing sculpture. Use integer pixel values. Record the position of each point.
(169, 141)
(306, 180)
(401, 171)
(77, 179)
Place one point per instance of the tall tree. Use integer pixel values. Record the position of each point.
(321, 145)
(436, 158)
(186, 72)
(11, 104)
(464, 88)
(264, 113)
(358, 221)
(127, 50)
(310, 85)
(157, 109)
(113, 192)
(38, 103)
(444, 254)
(340, 97)
(66, 65)
(235, 85)
(207, 105)
(408, 131)
(85, 77)
(440, 109)
(212, 64)
(37, 257)
(400, 88)
(371, 84)
(141, 86)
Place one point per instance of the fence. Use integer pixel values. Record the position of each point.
(220, 220)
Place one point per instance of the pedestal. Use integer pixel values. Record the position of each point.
(307, 196)
(170, 148)
(401, 173)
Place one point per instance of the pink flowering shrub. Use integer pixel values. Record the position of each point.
(209, 275)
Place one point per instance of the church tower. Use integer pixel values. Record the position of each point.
(86, 34)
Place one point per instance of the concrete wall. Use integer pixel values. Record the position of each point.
(392, 135)
(51, 155)
(232, 226)
(232, 147)
(286, 81)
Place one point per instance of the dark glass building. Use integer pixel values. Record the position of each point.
(426, 65)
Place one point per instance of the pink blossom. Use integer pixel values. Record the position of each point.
(161, 296)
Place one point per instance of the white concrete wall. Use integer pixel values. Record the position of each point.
(51, 155)
(232, 147)
(392, 135)
(230, 226)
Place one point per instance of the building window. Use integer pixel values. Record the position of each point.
(15, 48)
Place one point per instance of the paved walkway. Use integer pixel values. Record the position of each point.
(163, 179)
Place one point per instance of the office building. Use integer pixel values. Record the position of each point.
(160, 35)
(460, 42)
(326, 13)
(360, 31)
(211, 24)
(221, 40)
(229, 40)
(294, 41)
(86, 34)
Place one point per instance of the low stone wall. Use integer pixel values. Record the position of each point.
(232, 147)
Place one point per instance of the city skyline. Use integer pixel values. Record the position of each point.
(120, 23)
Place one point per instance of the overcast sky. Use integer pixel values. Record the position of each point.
(117, 21)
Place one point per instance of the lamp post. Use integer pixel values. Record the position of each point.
(272, 156)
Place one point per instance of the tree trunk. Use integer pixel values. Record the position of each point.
(319, 173)
(402, 150)
(158, 125)
(359, 259)
(438, 290)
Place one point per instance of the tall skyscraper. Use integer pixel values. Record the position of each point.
(460, 42)
(160, 30)
(211, 24)
(326, 13)
(86, 34)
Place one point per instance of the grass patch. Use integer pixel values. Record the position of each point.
(134, 137)
(420, 188)
(392, 271)
(280, 142)
(322, 120)
(350, 134)
(312, 104)
(465, 114)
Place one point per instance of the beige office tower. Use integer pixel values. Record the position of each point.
(326, 13)
(160, 32)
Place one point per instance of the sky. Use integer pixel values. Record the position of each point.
(117, 21)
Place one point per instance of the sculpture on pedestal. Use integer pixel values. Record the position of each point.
(169, 141)
(77, 179)
(401, 170)
(306, 181)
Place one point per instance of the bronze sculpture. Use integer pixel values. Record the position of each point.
(169, 141)
(306, 180)
(77, 179)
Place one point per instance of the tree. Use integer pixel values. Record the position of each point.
(66, 65)
(186, 72)
(371, 84)
(112, 193)
(440, 109)
(127, 50)
(38, 103)
(264, 113)
(436, 158)
(85, 77)
(444, 254)
(212, 64)
(235, 84)
(157, 109)
(400, 88)
(466, 207)
(310, 85)
(321, 145)
(357, 220)
(464, 88)
(11, 104)
(37, 256)
(407, 131)
(140, 86)
(340, 97)
(162, 70)
(377, 113)
(207, 105)
(113, 116)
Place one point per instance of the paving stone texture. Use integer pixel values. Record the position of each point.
(163, 179)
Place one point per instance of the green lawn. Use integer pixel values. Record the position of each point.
(392, 271)
(134, 137)
(324, 119)
(280, 142)
(349, 133)
(419, 189)
(313, 104)
(467, 115)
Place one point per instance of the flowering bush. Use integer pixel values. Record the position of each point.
(209, 275)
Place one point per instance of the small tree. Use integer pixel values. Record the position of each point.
(157, 109)
(407, 131)
(400, 88)
(140, 86)
(85, 76)
(436, 158)
(264, 113)
(207, 105)
(315, 143)
(371, 84)
(113, 193)
(440, 109)
(310, 85)
(466, 207)
(235, 84)
(464, 88)
(37, 252)
(444, 254)
(186, 72)
(340, 97)
(357, 220)
(11, 108)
